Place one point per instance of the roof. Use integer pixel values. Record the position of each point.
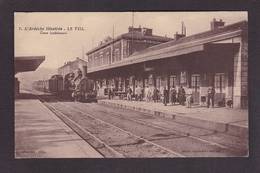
(135, 36)
(234, 26)
(185, 45)
(27, 63)
(71, 62)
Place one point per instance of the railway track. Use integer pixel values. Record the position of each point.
(100, 135)
(163, 128)
(106, 131)
(233, 149)
(189, 134)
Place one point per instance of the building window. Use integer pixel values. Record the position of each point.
(95, 61)
(163, 82)
(125, 47)
(92, 61)
(107, 58)
(172, 81)
(117, 55)
(158, 82)
(183, 78)
(219, 81)
(195, 81)
(89, 61)
(113, 56)
(146, 82)
(101, 60)
(150, 80)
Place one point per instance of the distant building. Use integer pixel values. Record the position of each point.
(218, 57)
(72, 66)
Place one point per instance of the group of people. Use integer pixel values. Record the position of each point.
(154, 94)
(173, 96)
(111, 93)
(164, 95)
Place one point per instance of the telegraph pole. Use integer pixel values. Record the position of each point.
(113, 35)
(132, 41)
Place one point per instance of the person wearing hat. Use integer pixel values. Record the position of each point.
(211, 95)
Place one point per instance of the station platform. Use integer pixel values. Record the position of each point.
(39, 133)
(227, 120)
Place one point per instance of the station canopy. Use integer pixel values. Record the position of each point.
(27, 63)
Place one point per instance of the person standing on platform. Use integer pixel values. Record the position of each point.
(155, 95)
(150, 93)
(138, 93)
(142, 93)
(161, 93)
(165, 96)
(173, 95)
(211, 96)
(109, 93)
(146, 93)
(129, 94)
(189, 97)
(181, 95)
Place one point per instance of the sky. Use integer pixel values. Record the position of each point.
(60, 48)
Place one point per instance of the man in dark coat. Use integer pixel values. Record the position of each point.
(211, 95)
(181, 95)
(173, 95)
(109, 93)
(165, 96)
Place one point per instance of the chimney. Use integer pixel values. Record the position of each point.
(147, 31)
(132, 29)
(183, 29)
(183, 32)
(214, 24)
(178, 36)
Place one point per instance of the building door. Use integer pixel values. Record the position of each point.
(195, 85)
(158, 82)
(116, 84)
(126, 83)
(219, 83)
(172, 81)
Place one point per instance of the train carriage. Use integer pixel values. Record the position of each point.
(56, 84)
(64, 88)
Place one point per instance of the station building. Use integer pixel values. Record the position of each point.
(111, 52)
(72, 66)
(218, 57)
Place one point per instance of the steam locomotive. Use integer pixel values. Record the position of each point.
(65, 89)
